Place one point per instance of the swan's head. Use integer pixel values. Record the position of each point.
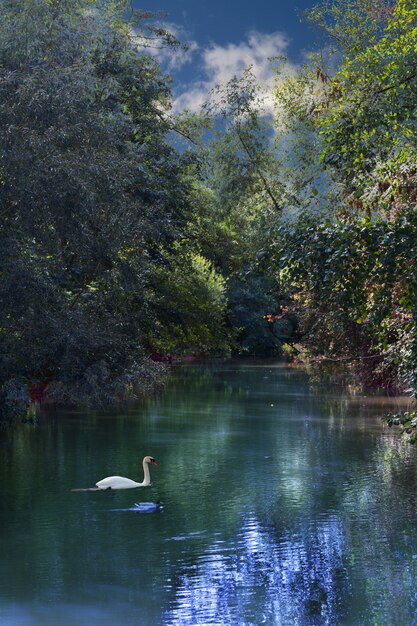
(150, 459)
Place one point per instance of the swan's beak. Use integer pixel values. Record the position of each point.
(154, 462)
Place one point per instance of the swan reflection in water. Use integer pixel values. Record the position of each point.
(143, 507)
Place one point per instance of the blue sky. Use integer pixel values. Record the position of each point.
(224, 36)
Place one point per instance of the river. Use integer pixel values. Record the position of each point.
(283, 502)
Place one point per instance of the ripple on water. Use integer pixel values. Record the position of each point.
(284, 578)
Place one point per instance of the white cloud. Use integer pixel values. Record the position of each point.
(221, 63)
(193, 98)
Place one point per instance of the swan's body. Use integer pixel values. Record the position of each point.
(120, 482)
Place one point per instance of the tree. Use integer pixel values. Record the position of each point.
(350, 269)
(92, 197)
(368, 125)
(245, 196)
(238, 107)
(189, 297)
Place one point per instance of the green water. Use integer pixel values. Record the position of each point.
(283, 503)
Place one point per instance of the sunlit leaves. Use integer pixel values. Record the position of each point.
(189, 297)
(373, 117)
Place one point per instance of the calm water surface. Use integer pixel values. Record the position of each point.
(283, 503)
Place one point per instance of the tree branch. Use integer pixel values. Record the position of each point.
(258, 170)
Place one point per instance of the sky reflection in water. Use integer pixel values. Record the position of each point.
(259, 580)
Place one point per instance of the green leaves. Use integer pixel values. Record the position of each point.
(364, 272)
(189, 297)
(372, 119)
(93, 195)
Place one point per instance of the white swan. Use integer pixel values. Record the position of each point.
(119, 482)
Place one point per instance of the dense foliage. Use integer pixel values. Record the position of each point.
(93, 198)
(118, 245)
(349, 264)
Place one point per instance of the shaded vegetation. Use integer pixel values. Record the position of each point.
(93, 198)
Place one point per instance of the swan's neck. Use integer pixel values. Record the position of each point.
(146, 475)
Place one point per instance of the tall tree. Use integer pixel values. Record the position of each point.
(91, 195)
(352, 267)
